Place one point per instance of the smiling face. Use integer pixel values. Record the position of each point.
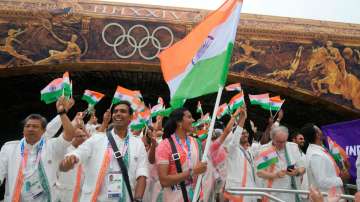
(121, 116)
(186, 123)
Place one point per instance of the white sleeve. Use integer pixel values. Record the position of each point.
(358, 172)
(84, 151)
(235, 139)
(59, 146)
(52, 127)
(3, 163)
(319, 168)
(142, 168)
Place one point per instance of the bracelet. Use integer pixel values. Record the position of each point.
(138, 200)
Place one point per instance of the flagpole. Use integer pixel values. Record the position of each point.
(208, 142)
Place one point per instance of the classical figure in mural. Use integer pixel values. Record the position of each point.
(247, 57)
(289, 70)
(333, 77)
(9, 48)
(72, 51)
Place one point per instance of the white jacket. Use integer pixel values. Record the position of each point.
(91, 154)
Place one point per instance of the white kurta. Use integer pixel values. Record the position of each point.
(66, 182)
(52, 153)
(239, 168)
(285, 182)
(91, 154)
(321, 170)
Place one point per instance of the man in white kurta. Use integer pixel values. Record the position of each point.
(239, 164)
(40, 148)
(322, 170)
(91, 155)
(277, 175)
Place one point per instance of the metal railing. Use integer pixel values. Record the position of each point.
(251, 191)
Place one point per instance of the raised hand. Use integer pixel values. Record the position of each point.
(68, 163)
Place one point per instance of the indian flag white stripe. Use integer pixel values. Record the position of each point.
(213, 39)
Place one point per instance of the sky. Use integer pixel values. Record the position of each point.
(330, 10)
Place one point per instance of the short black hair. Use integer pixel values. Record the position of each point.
(124, 102)
(309, 132)
(36, 117)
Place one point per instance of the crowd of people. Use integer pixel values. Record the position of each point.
(112, 162)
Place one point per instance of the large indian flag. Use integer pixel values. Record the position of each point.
(92, 97)
(274, 104)
(266, 158)
(52, 91)
(198, 64)
(236, 102)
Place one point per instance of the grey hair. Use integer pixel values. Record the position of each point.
(277, 129)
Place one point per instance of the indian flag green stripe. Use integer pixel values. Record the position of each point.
(201, 73)
(89, 99)
(51, 97)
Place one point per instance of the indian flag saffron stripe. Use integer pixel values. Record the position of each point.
(274, 104)
(236, 102)
(266, 158)
(261, 99)
(52, 91)
(233, 87)
(92, 97)
(223, 110)
(198, 64)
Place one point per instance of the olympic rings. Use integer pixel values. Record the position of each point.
(137, 46)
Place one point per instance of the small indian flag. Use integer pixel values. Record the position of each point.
(274, 104)
(199, 108)
(198, 64)
(223, 110)
(155, 110)
(337, 152)
(92, 97)
(140, 120)
(52, 91)
(233, 87)
(130, 96)
(266, 158)
(67, 85)
(205, 119)
(261, 99)
(166, 112)
(236, 102)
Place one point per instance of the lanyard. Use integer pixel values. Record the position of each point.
(187, 140)
(249, 159)
(124, 148)
(24, 151)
